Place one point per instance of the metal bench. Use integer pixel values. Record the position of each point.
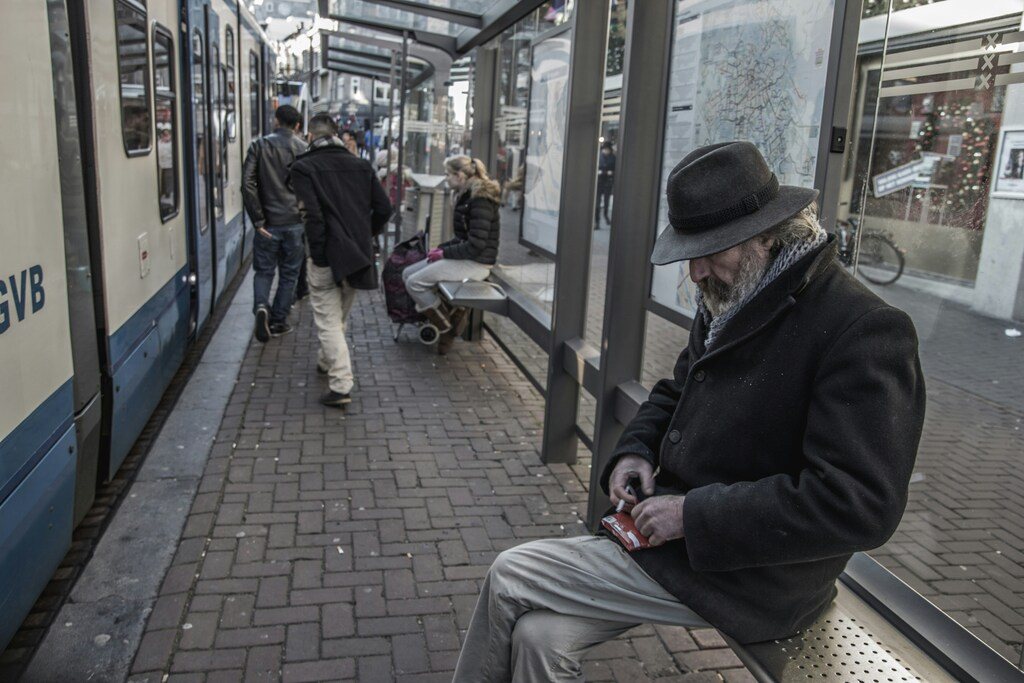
(479, 294)
(893, 634)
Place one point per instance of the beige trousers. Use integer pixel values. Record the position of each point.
(544, 604)
(331, 306)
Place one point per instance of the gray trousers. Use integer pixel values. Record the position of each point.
(421, 278)
(544, 604)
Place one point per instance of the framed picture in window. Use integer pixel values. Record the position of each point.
(1009, 170)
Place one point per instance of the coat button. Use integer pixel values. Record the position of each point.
(674, 436)
(699, 375)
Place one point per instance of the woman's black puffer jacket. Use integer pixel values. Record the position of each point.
(477, 229)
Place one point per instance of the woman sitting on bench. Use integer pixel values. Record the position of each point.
(470, 254)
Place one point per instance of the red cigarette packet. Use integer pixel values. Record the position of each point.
(622, 526)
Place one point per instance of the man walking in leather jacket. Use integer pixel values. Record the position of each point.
(274, 210)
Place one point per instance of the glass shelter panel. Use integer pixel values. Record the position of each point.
(529, 214)
(934, 168)
(392, 16)
(611, 111)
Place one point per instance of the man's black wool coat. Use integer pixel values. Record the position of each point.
(793, 439)
(343, 207)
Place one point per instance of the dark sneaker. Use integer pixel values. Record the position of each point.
(334, 399)
(262, 324)
(280, 329)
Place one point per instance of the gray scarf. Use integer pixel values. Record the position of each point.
(330, 141)
(787, 257)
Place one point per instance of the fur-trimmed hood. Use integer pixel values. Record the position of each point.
(488, 189)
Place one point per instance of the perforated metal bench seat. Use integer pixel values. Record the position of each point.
(487, 296)
(850, 642)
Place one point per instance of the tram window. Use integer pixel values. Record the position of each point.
(166, 122)
(254, 94)
(229, 93)
(133, 66)
(199, 121)
(216, 138)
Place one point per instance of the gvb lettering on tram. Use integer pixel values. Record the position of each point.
(128, 233)
(21, 294)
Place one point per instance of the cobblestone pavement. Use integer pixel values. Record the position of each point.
(349, 545)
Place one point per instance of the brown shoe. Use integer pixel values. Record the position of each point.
(437, 318)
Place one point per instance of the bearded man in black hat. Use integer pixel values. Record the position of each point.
(783, 444)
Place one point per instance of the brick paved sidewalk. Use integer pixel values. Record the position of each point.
(349, 545)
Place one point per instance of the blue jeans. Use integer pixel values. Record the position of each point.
(283, 252)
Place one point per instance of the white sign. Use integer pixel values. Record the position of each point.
(896, 178)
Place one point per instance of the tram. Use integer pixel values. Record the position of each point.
(121, 180)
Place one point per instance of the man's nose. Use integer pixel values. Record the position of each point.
(699, 269)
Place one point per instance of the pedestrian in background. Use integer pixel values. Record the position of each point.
(344, 206)
(274, 211)
(349, 140)
(605, 181)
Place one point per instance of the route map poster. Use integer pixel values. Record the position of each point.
(743, 70)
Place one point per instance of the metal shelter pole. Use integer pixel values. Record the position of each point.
(373, 112)
(484, 139)
(400, 180)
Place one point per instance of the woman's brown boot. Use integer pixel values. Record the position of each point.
(459, 319)
(445, 342)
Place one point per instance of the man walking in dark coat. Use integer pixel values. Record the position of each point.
(344, 206)
(271, 204)
(783, 444)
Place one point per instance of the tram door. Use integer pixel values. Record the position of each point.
(200, 238)
(203, 152)
(217, 163)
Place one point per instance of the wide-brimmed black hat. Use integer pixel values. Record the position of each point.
(719, 196)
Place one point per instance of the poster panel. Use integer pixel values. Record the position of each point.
(545, 144)
(1009, 173)
(750, 70)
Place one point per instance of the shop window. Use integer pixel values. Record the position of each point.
(133, 67)
(166, 122)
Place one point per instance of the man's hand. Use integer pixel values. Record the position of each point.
(630, 467)
(660, 518)
(435, 254)
(266, 233)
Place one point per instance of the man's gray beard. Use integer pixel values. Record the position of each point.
(720, 297)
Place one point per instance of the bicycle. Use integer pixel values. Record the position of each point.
(879, 259)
